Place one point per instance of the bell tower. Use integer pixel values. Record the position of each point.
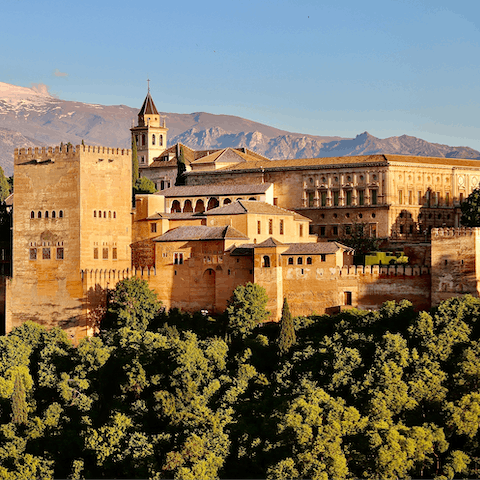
(150, 133)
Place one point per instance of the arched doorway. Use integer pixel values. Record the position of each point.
(176, 206)
(199, 206)
(187, 206)
(212, 203)
(208, 290)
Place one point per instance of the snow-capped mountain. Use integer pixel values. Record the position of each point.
(32, 117)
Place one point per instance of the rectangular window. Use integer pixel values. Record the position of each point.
(323, 197)
(373, 196)
(259, 227)
(348, 229)
(335, 230)
(361, 197)
(95, 253)
(400, 197)
(275, 201)
(347, 298)
(46, 254)
(33, 254)
(437, 199)
(153, 227)
(310, 199)
(178, 258)
(410, 197)
(281, 227)
(447, 199)
(349, 197)
(461, 198)
(322, 231)
(336, 198)
(323, 258)
(105, 253)
(301, 230)
(60, 253)
(419, 199)
(114, 253)
(270, 227)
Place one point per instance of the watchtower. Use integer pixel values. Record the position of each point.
(150, 133)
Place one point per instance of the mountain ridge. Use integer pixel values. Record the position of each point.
(33, 117)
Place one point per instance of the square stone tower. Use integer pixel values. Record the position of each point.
(71, 231)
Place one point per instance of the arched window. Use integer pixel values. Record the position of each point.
(227, 201)
(32, 214)
(299, 260)
(54, 214)
(290, 260)
(252, 198)
(104, 214)
(160, 140)
(94, 213)
(175, 206)
(39, 215)
(114, 214)
(60, 214)
(212, 203)
(109, 214)
(187, 206)
(153, 139)
(266, 261)
(199, 206)
(162, 185)
(46, 214)
(309, 260)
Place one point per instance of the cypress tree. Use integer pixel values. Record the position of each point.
(181, 168)
(4, 186)
(135, 174)
(19, 401)
(286, 338)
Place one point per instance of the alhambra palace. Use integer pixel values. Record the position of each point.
(240, 217)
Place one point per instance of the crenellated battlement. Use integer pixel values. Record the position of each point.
(378, 270)
(45, 153)
(454, 232)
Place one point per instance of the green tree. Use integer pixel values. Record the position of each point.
(135, 174)
(360, 240)
(4, 186)
(144, 185)
(287, 329)
(247, 308)
(133, 304)
(19, 402)
(181, 168)
(471, 210)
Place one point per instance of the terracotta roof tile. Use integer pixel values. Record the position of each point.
(250, 206)
(200, 232)
(316, 248)
(148, 107)
(214, 190)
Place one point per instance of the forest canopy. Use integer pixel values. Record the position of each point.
(379, 394)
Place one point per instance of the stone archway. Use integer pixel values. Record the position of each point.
(199, 206)
(176, 206)
(187, 206)
(207, 290)
(212, 203)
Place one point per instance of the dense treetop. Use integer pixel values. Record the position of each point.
(385, 394)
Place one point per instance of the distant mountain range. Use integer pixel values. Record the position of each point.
(32, 117)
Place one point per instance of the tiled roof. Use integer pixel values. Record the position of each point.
(192, 156)
(214, 190)
(269, 242)
(315, 248)
(251, 206)
(175, 215)
(360, 159)
(200, 232)
(148, 107)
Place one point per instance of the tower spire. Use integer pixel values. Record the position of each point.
(148, 83)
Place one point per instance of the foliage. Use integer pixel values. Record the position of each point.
(144, 185)
(4, 186)
(132, 304)
(391, 393)
(471, 210)
(246, 309)
(181, 168)
(360, 240)
(135, 174)
(287, 329)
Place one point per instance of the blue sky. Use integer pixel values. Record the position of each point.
(388, 67)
